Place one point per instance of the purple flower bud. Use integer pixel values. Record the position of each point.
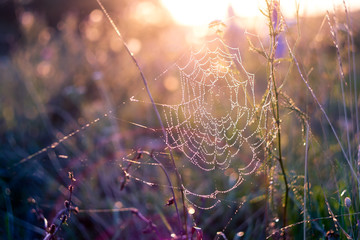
(347, 202)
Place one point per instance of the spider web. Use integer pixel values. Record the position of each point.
(217, 126)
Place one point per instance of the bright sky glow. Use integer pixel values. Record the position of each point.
(202, 12)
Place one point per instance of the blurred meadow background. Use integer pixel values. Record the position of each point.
(80, 138)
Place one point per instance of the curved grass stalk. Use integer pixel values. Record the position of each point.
(342, 77)
(154, 107)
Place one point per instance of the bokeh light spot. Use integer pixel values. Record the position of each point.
(171, 83)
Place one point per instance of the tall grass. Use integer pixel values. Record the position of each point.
(53, 121)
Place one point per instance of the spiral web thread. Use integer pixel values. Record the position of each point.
(217, 124)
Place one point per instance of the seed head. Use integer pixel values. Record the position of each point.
(52, 229)
(67, 204)
(71, 176)
(170, 201)
(275, 12)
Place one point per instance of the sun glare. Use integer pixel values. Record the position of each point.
(190, 12)
(202, 12)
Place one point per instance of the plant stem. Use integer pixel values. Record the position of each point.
(306, 183)
(280, 159)
(273, 26)
(171, 186)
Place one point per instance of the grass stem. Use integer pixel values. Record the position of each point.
(274, 27)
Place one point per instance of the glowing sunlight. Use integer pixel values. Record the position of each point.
(202, 12)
